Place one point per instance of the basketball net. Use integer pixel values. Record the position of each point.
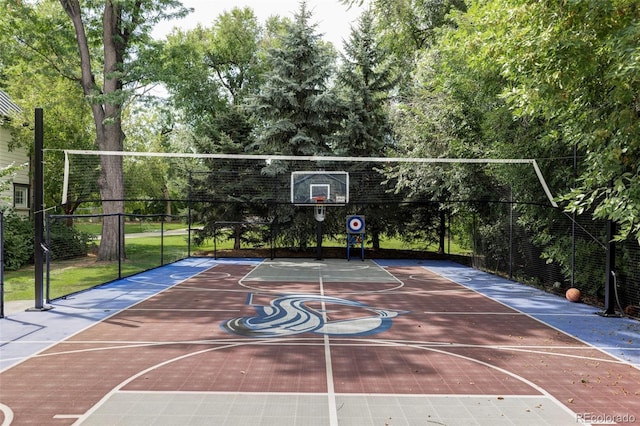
(319, 209)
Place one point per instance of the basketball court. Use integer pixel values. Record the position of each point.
(310, 342)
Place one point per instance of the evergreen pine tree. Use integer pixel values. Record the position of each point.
(366, 81)
(296, 107)
(296, 111)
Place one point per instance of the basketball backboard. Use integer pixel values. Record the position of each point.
(312, 187)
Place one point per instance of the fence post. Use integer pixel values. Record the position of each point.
(610, 282)
(162, 240)
(1, 264)
(38, 211)
(120, 243)
(474, 249)
(48, 260)
(511, 234)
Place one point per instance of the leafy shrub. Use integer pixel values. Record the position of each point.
(18, 241)
(67, 242)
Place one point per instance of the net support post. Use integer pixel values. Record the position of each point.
(319, 213)
(1, 265)
(38, 213)
(318, 240)
(610, 282)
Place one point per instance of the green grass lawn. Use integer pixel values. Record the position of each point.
(143, 253)
(69, 276)
(131, 227)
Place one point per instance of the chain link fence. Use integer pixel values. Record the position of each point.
(561, 252)
(554, 253)
(1, 264)
(73, 242)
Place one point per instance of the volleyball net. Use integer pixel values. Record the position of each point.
(500, 213)
(225, 178)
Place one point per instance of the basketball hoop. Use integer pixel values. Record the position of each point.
(319, 208)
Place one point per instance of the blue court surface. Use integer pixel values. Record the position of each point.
(25, 333)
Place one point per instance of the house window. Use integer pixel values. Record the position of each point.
(21, 196)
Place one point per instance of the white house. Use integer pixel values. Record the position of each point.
(15, 187)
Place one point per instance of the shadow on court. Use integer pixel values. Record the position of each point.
(301, 342)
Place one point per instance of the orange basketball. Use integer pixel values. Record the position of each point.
(573, 295)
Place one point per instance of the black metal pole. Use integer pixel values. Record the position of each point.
(47, 281)
(38, 209)
(120, 244)
(610, 290)
(318, 240)
(511, 234)
(573, 222)
(1, 265)
(162, 240)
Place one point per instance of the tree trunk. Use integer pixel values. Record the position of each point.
(375, 239)
(442, 232)
(111, 191)
(167, 201)
(106, 116)
(237, 234)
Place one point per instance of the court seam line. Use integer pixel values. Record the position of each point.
(344, 394)
(331, 396)
(499, 313)
(117, 345)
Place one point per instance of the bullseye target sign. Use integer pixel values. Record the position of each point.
(355, 224)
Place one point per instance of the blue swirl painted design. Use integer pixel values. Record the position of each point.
(290, 315)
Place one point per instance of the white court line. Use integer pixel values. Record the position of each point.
(331, 395)
(113, 391)
(180, 310)
(305, 265)
(261, 285)
(8, 414)
(518, 377)
(331, 391)
(533, 317)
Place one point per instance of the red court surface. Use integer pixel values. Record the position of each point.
(324, 343)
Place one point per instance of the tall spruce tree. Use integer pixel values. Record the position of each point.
(366, 81)
(296, 106)
(297, 111)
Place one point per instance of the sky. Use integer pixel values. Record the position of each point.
(333, 19)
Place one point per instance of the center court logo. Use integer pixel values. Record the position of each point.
(292, 314)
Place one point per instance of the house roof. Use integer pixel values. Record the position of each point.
(6, 105)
